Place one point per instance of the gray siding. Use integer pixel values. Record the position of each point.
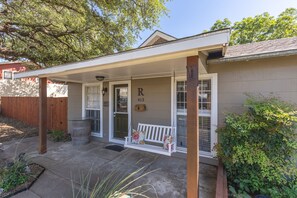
(157, 98)
(106, 104)
(268, 77)
(74, 102)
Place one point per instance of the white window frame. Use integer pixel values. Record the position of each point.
(214, 110)
(95, 134)
(12, 74)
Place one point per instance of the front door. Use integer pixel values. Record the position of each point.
(120, 112)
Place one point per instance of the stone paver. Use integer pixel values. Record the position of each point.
(67, 165)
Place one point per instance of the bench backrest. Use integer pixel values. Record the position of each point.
(156, 133)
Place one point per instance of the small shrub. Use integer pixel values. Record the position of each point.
(258, 148)
(13, 174)
(59, 136)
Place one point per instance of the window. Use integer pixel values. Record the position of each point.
(205, 90)
(6, 74)
(93, 107)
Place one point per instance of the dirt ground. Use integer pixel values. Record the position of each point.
(12, 129)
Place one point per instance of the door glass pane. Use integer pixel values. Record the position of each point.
(121, 99)
(120, 112)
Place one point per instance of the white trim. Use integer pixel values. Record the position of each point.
(181, 47)
(101, 105)
(214, 111)
(157, 34)
(173, 123)
(111, 104)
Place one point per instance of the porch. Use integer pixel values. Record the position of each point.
(64, 163)
(116, 112)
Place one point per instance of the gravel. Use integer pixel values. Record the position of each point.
(11, 129)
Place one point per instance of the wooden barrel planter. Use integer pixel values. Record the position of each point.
(80, 132)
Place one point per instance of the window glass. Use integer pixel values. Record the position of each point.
(93, 97)
(204, 114)
(7, 74)
(92, 107)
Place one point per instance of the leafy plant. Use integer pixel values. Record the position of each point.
(260, 27)
(59, 136)
(13, 174)
(258, 148)
(114, 185)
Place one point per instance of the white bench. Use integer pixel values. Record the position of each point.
(154, 134)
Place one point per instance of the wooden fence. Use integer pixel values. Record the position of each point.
(26, 109)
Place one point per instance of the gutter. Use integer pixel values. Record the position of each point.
(253, 57)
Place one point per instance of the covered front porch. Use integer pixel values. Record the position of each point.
(156, 85)
(65, 165)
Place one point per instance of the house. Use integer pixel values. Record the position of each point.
(161, 77)
(7, 69)
(26, 87)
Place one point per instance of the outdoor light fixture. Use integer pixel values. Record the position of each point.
(104, 91)
(99, 78)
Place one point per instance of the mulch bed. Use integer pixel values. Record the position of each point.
(36, 171)
(11, 129)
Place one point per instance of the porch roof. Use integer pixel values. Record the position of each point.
(165, 58)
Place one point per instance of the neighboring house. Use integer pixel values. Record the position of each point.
(27, 86)
(154, 75)
(8, 69)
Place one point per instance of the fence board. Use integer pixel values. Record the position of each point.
(26, 110)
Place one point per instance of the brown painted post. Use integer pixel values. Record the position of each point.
(42, 115)
(192, 128)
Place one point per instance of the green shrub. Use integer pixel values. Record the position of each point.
(59, 136)
(13, 175)
(258, 148)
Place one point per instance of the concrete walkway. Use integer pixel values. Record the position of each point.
(66, 165)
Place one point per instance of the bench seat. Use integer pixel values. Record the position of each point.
(153, 134)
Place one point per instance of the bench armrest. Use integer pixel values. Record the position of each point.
(126, 140)
(171, 147)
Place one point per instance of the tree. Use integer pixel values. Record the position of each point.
(261, 27)
(51, 32)
(226, 23)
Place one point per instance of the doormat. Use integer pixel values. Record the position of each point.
(114, 147)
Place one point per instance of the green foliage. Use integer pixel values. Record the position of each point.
(261, 27)
(258, 148)
(219, 24)
(114, 185)
(13, 175)
(59, 136)
(51, 32)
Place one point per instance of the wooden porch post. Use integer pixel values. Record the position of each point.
(192, 128)
(42, 115)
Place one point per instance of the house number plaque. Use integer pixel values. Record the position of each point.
(140, 95)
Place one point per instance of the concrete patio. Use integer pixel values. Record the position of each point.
(65, 164)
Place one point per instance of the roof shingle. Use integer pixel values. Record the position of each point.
(262, 47)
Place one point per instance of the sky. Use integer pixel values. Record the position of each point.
(190, 17)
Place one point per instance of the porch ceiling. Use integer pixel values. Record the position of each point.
(154, 69)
